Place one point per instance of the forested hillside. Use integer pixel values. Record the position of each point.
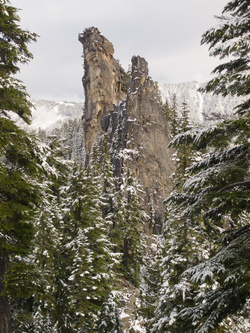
(84, 244)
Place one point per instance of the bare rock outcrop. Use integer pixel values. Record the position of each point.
(104, 82)
(129, 109)
(148, 137)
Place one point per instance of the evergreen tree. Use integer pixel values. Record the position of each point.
(223, 286)
(92, 261)
(218, 188)
(37, 313)
(71, 133)
(184, 154)
(220, 181)
(231, 38)
(109, 319)
(171, 111)
(48, 255)
(14, 51)
(110, 196)
(118, 140)
(131, 215)
(18, 165)
(101, 167)
(184, 244)
(151, 280)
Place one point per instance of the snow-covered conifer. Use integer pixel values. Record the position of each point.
(109, 319)
(217, 189)
(49, 233)
(131, 226)
(91, 259)
(231, 39)
(18, 165)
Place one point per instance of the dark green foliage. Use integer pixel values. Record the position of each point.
(14, 50)
(219, 183)
(101, 167)
(21, 280)
(216, 192)
(121, 209)
(184, 246)
(226, 276)
(109, 319)
(91, 261)
(117, 143)
(231, 38)
(19, 167)
(17, 154)
(49, 258)
(184, 154)
(18, 193)
(151, 282)
(110, 198)
(131, 214)
(172, 114)
(75, 264)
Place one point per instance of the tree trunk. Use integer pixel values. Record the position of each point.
(5, 314)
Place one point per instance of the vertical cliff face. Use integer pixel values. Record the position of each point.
(104, 82)
(148, 137)
(132, 114)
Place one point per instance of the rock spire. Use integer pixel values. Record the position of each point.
(114, 98)
(104, 82)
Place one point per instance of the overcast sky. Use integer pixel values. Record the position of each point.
(166, 33)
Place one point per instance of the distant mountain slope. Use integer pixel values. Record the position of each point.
(203, 107)
(48, 115)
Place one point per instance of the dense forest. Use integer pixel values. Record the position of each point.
(71, 236)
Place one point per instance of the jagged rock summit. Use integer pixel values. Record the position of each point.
(103, 82)
(128, 108)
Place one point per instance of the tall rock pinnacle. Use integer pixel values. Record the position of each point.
(148, 137)
(128, 105)
(104, 82)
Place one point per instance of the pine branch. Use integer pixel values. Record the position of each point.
(242, 183)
